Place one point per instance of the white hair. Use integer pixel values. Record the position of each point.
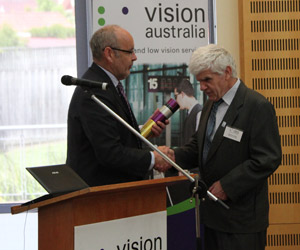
(211, 57)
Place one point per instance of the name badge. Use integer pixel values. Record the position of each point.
(233, 134)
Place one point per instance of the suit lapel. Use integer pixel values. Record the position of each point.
(228, 120)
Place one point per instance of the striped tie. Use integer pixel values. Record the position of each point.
(210, 128)
(133, 120)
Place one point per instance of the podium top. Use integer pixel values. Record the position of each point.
(101, 190)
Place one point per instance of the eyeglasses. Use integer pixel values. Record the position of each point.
(123, 50)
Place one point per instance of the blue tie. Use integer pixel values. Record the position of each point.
(210, 128)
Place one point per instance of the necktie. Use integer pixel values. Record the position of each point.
(210, 128)
(125, 100)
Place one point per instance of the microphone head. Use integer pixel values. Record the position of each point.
(67, 80)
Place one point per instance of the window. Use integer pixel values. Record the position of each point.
(37, 47)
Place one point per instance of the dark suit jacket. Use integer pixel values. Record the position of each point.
(101, 149)
(242, 167)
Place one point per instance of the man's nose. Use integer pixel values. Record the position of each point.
(202, 86)
(134, 57)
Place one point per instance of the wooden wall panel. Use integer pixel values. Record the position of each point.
(270, 64)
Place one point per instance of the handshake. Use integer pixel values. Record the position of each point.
(160, 164)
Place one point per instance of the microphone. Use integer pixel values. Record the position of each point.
(69, 80)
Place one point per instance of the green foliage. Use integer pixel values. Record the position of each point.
(55, 30)
(48, 5)
(15, 183)
(8, 37)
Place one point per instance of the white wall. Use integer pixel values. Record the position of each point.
(19, 232)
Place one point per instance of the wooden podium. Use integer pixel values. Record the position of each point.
(58, 216)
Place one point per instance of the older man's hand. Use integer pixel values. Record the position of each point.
(217, 190)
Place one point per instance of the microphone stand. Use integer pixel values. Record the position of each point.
(199, 190)
(197, 213)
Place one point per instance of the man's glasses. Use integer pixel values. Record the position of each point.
(123, 50)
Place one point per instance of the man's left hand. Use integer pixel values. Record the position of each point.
(158, 128)
(217, 190)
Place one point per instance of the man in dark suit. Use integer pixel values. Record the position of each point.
(101, 149)
(236, 148)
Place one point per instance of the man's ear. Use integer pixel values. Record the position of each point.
(228, 72)
(108, 54)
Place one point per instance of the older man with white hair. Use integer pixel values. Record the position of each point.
(237, 147)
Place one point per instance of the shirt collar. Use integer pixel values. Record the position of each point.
(228, 97)
(190, 109)
(111, 76)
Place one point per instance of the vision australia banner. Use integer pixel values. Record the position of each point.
(165, 31)
(165, 34)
